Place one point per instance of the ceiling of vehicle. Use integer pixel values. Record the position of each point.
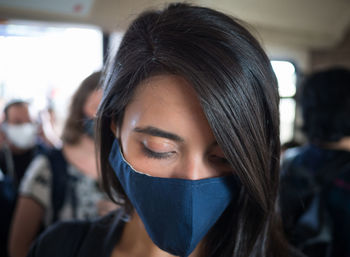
(309, 24)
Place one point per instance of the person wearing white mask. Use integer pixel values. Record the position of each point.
(18, 139)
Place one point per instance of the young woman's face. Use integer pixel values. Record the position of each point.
(165, 133)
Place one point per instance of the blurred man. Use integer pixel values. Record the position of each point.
(18, 146)
(315, 187)
(18, 139)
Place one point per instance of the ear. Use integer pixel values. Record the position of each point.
(115, 129)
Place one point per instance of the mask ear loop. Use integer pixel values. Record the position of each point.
(115, 128)
(117, 132)
(118, 138)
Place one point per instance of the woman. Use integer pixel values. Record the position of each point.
(189, 140)
(61, 184)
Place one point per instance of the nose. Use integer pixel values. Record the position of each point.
(192, 168)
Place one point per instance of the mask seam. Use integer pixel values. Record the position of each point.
(176, 182)
(192, 219)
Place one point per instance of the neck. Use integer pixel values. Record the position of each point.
(136, 242)
(342, 144)
(86, 141)
(18, 151)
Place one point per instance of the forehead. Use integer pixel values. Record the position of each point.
(166, 89)
(165, 94)
(18, 109)
(167, 102)
(18, 112)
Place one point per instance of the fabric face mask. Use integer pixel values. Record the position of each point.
(177, 213)
(22, 136)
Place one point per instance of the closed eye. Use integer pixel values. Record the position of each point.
(219, 160)
(156, 155)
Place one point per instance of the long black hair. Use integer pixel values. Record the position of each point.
(237, 89)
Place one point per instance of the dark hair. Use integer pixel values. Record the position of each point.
(74, 126)
(15, 102)
(325, 102)
(238, 92)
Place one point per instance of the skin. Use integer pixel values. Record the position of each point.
(92, 103)
(17, 115)
(29, 214)
(165, 134)
(342, 144)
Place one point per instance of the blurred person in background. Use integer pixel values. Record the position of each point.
(19, 144)
(18, 139)
(315, 187)
(62, 184)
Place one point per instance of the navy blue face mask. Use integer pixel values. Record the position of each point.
(177, 213)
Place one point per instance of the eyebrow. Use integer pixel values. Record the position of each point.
(156, 132)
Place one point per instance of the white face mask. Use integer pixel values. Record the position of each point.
(22, 136)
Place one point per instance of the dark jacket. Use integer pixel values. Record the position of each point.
(311, 169)
(81, 238)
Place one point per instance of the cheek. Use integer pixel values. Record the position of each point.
(88, 111)
(92, 103)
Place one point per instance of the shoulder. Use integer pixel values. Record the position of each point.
(294, 169)
(40, 169)
(291, 157)
(78, 238)
(39, 164)
(61, 239)
(37, 177)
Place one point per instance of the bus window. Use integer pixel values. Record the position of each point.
(286, 76)
(43, 62)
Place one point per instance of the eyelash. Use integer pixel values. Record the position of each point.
(155, 155)
(220, 160)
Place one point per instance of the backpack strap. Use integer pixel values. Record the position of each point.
(10, 166)
(59, 180)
